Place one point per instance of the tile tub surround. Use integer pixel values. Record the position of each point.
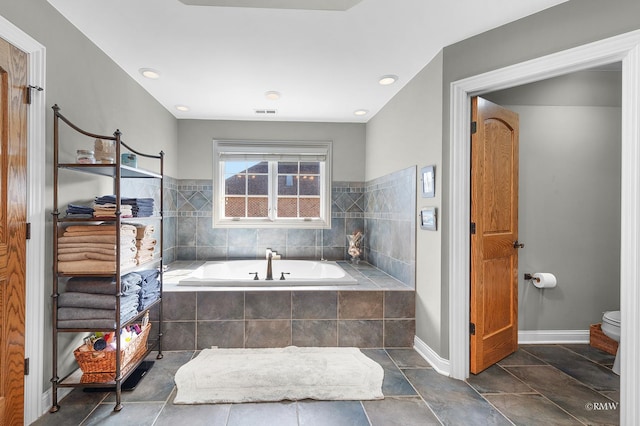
(383, 208)
(198, 240)
(378, 314)
(390, 224)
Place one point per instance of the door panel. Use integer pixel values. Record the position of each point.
(494, 210)
(13, 203)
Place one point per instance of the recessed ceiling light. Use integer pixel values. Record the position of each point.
(361, 112)
(182, 108)
(150, 73)
(272, 95)
(386, 80)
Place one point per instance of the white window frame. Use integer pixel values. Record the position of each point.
(256, 150)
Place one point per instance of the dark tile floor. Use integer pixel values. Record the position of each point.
(538, 385)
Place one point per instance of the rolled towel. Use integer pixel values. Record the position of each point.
(144, 231)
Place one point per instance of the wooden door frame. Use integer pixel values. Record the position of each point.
(35, 278)
(624, 48)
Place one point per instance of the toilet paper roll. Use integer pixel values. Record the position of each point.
(544, 280)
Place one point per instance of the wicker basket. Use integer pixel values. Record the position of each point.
(599, 340)
(105, 361)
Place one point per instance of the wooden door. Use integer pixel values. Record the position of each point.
(494, 214)
(13, 208)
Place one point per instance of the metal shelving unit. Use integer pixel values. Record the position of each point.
(117, 172)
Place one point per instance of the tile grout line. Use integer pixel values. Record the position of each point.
(489, 402)
(546, 364)
(573, 378)
(537, 392)
(412, 386)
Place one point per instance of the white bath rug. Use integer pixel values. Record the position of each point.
(291, 373)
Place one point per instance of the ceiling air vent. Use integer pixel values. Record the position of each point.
(265, 111)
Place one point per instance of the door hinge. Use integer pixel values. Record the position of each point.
(473, 228)
(474, 127)
(29, 89)
(28, 231)
(472, 329)
(26, 366)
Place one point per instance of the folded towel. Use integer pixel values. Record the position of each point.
(86, 249)
(131, 305)
(148, 274)
(87, 246)
(96, 324)
(132, 278)
(86, 300)
(87, 267)
(127, 242)
(78, 209)
(85, 313)
(80, 215)
(127, 233)
(90, 228)
(86, 255)
(146, 303)
(146, 242)
(103, 285)
(89, 233)
(104, 239)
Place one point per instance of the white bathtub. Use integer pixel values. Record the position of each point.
(240, 273)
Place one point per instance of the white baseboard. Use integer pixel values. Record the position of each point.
(553, 336)
(46, 398)
(438, 363)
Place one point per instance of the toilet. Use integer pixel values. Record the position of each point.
(611, 328)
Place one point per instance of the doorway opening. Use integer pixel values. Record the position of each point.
(569, 203)
(624, 48)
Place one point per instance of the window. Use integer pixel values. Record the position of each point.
(272, 184)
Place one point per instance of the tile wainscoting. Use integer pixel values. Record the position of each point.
(261, 319)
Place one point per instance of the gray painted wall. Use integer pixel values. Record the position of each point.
(98, 96)
(196, 143)
(408, 117)
(408, 132)
(562, 27)
(569, 213)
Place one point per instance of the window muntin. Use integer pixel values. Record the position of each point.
(267, 184)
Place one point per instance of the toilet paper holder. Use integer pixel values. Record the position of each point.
(530, 277)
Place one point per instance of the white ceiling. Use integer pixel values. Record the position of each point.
(220, 60)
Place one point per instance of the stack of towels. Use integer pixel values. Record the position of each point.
(77, 211)
(145, 243)
(90, 302)
(150, 288)
(106, 209)
(91, 249)
(142, 207)
(128, 250)
(139, 207)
